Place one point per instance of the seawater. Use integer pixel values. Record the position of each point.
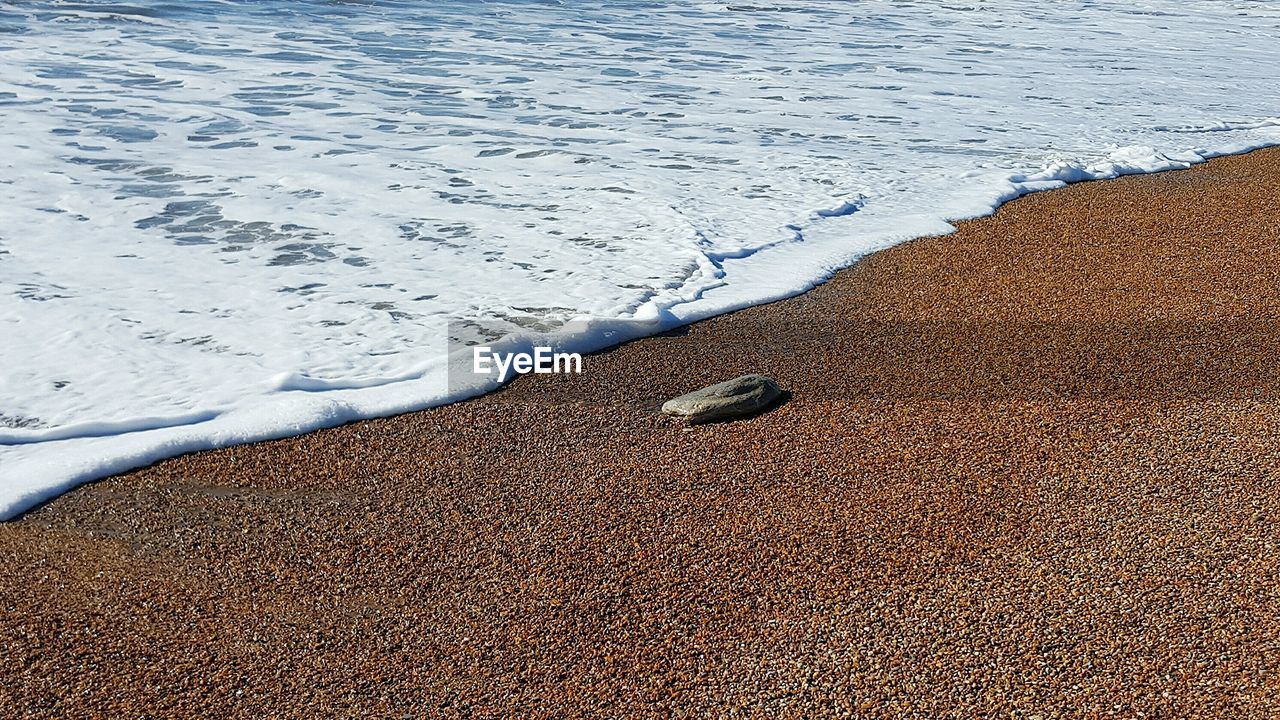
(228, 221)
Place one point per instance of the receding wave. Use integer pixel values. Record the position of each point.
(271, 217)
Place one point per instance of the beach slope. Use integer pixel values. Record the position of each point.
(1031, 467)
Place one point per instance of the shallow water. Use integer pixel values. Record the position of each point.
(224, 221)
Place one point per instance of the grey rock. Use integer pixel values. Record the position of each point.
(734, 398)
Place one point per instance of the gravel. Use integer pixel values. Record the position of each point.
(1028, 470)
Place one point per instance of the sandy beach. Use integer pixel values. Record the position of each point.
(1030, 469)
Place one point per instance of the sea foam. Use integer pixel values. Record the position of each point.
(227, 221)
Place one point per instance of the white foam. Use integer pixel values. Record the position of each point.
(223, 222)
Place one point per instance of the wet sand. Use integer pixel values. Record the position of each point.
(1029, 469)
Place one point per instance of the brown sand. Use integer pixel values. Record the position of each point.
(1030, 469)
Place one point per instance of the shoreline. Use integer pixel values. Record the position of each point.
(1026, 467)
(137, 443)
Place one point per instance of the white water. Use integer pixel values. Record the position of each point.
(229, 221)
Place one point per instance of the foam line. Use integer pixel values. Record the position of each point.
(104, 429)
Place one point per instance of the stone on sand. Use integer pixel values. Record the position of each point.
(739, 397)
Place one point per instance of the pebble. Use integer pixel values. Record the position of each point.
(737, 398)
